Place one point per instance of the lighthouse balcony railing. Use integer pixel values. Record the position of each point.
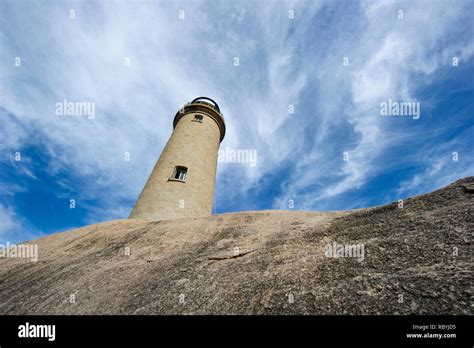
(206, 104)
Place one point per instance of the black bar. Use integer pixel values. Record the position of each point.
(242, 330)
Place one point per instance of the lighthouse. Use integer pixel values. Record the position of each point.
(182, 182)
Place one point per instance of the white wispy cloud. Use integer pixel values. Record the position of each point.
(390, 58)
(283, 62)
(14, 228)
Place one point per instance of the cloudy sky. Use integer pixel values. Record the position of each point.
(306, 94)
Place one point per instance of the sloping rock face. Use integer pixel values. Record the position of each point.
(416, 260)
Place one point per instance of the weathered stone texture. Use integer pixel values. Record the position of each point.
(418, 260)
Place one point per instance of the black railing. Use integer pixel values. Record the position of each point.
(207, 104)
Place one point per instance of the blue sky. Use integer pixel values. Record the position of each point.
(394, 50)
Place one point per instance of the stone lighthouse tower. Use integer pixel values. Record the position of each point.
(182, 182)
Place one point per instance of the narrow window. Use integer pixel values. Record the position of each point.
(179, 173)
(198, 118)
